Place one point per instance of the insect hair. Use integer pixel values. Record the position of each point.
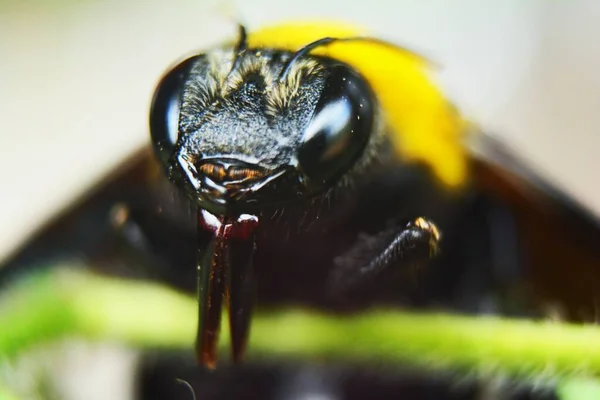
(188, 385)
(282, 92)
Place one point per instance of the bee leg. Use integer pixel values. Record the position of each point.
(412, 247)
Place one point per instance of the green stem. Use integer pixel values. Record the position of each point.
(148, 315)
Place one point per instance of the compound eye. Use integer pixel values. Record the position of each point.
(340, 127)
(164, 111)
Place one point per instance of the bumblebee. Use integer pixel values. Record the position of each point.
(258, 131)
(311, 164)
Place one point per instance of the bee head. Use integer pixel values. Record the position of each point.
(241, 128)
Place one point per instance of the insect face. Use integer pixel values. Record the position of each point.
(240, 132)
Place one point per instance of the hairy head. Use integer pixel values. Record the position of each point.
(241, 129)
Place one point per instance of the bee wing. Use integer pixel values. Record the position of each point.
(560, 237)
(132, 223)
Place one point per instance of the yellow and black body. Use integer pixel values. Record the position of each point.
(310, 164)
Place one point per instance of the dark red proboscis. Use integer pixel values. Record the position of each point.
(225, 271)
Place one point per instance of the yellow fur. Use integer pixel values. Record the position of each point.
(427, 128)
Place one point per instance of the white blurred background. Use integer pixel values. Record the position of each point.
(76, 79)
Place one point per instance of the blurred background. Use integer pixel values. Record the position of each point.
(76, 79)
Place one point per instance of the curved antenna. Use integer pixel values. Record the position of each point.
(329, 40)
(240, 48)
(242, 43)
(302, 52)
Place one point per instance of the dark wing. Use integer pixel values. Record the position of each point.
(131, 224)
(559, 237)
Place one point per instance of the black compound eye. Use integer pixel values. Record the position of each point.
(340, 127)
(164, 112)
